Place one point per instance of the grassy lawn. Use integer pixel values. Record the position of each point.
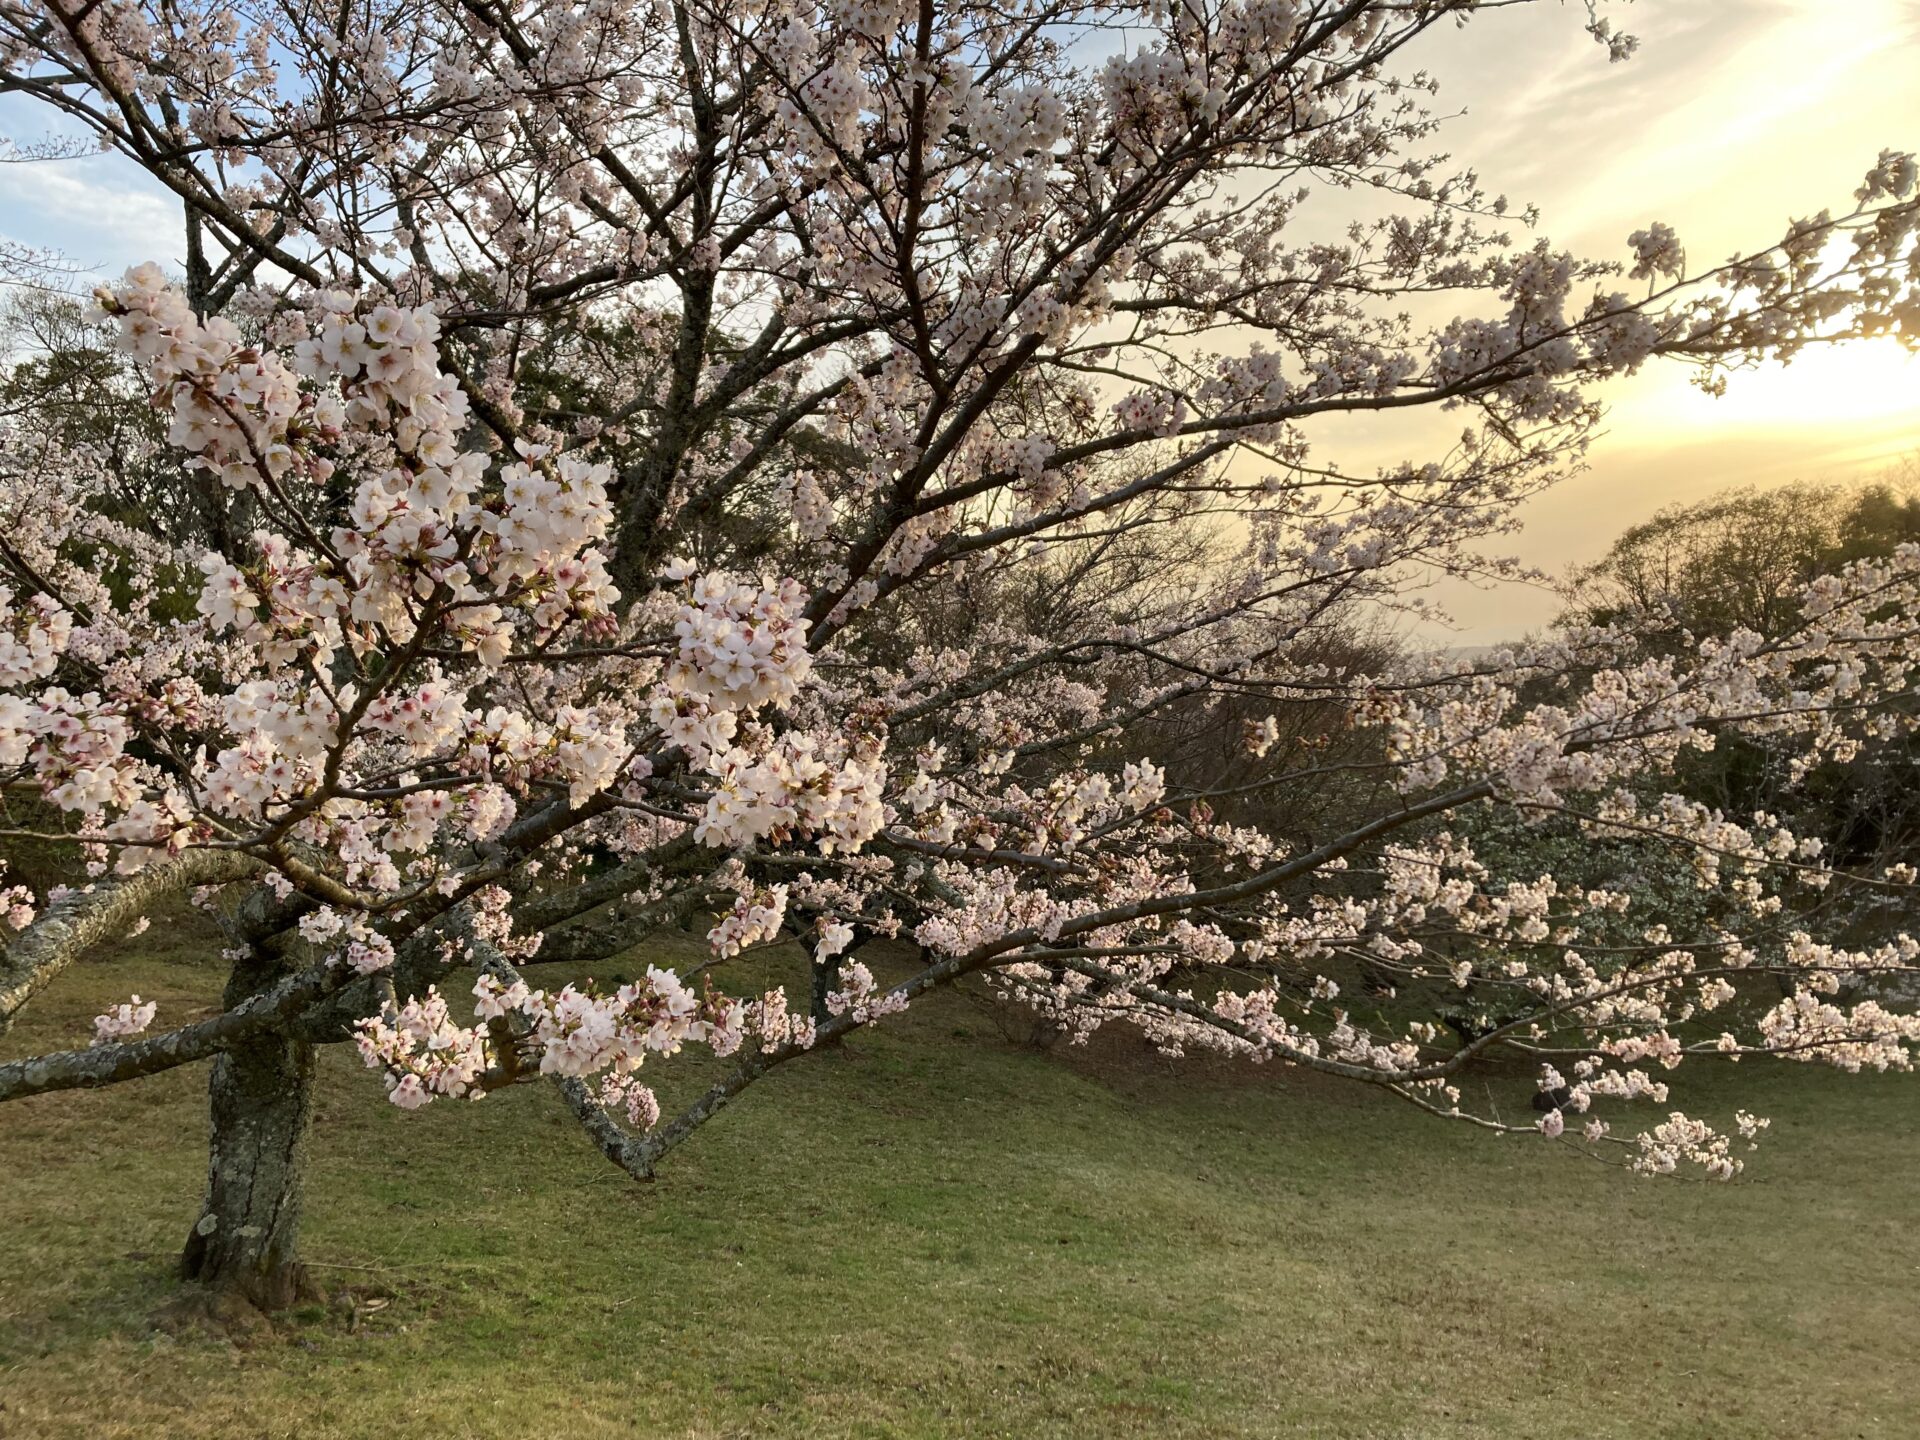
(935, 1233)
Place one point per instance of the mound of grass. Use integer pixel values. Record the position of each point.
(933, 1233)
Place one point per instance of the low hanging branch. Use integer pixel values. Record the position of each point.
(74, 924)
(109, 1064)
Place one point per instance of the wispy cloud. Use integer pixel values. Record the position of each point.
(1731, 118)
(98, 210)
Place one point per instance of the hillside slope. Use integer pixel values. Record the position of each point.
(935, 1233)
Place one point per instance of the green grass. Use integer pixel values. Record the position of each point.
(933, 1233)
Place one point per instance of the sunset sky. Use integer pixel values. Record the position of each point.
(1734, 116)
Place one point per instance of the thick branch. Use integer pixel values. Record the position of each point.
(70, 926)
(110, 1064)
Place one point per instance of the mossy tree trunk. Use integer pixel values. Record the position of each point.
(246, 1240)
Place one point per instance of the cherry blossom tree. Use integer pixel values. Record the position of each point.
(850, 470)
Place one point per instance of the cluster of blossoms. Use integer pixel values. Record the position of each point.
(862, 997)
(132, 1017)
(1862, 1036)
(755, 918)
(232, 406)
(808, 502)
(622, 1092)
(37, 635)
(578, 1032)
(423, 1053)
(426, 543)
(826, 788)
(834, 937)
(740, 646)
(1681, 1140)
(538, 541)
(575, 1033)
(16, 907)
(358, 946)
(777, 1026)
(418, 539)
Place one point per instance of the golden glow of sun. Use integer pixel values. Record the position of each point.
(1858, 380)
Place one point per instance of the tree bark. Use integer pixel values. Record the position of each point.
(261, 1100)
(826, 980)
(67, 928)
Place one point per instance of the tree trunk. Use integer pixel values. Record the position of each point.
(262, 1106)
(826, 980)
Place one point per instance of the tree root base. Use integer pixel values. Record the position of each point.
(244, 1315)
